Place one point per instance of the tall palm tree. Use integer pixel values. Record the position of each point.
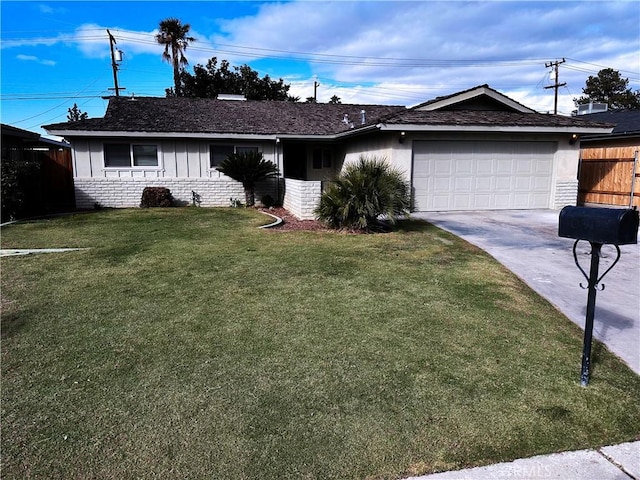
(174, 36)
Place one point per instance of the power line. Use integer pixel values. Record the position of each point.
(555, 85)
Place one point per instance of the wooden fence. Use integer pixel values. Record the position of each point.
(607, 175)
(57, 179)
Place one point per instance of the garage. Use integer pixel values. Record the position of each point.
(482, 175)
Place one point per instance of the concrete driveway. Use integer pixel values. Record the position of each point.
(527, 243)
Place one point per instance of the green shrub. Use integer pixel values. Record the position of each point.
(248, 168)
(20, 188)
(365, 193)
(156, 197)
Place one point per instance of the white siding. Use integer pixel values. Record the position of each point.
(183, 168)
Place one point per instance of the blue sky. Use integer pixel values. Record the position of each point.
(55, 54)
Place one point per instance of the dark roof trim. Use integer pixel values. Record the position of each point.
(18, 132)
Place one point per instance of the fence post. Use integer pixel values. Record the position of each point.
(633, 178)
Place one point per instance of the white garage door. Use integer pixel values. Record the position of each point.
(482, 175)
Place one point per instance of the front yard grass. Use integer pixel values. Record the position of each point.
(186, 343)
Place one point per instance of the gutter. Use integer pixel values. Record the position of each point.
(483, 128)
(121, 134)
(349, 133)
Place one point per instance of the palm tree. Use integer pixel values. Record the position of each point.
(363, 193)
(249, 168)
(174, 36)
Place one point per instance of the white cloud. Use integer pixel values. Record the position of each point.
(43, 8)
(32, 58)
(455, 45)
(93, 41)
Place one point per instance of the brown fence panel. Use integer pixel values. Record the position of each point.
(606, 176)
(57, 180)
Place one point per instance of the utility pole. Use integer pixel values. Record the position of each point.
(114, 64)
(315, 90)
(556, 85)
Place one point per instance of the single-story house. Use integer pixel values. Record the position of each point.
(609, 169)
(475, 149)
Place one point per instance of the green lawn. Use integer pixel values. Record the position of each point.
(187, 343)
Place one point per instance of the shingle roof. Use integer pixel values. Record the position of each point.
(626, 121)
(200, 115)
(211, 116)
(487, 118)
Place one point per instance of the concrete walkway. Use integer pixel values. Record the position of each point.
(11, 252)
(527, 243)
(619, 462)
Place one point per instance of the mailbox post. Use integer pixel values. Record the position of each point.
(598, 226)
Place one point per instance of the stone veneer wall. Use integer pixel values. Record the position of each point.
(302, 197)
(127, 192)
(566, 193)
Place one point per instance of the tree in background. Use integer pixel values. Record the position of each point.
(610, 88)
(174, 36)
(248, 168)
(335, 99)
(210, 80)
(75, 114)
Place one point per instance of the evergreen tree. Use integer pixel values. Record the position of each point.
(74, 114)
(610, 88)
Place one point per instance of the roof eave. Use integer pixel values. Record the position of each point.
(138, 134)
(612, 136)
(243, 136)
(492, 128)
(471, 94)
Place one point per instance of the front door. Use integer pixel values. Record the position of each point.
(295, 160)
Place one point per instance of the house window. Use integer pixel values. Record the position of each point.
(130, 155)
(145, 156)
(217, 153)
(246, 149)
(321, 158)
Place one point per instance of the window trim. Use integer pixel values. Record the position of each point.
(325, 154)
(131, 165)
(235, 150)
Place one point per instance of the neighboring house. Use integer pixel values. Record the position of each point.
(476, 149)
(52, 189)
(609, 170)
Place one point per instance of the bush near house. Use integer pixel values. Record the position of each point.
(20, 188)
(362, 194)
(156, 197)
(248, 168)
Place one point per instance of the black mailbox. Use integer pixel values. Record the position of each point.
(616, 226)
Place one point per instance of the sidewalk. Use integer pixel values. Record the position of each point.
(619, 462)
